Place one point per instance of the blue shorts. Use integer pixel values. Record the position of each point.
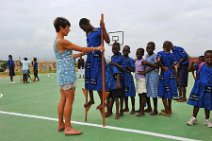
(183, 75)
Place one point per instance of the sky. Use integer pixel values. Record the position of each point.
(26, 26)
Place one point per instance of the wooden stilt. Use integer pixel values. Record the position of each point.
(104, 93)
(85, 92)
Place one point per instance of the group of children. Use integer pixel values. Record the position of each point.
(25, 69)
(155, 76)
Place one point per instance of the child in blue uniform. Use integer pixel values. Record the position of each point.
(115, 85)
(93, 66)
(182, 70)
(194, 67)
(151, 77)
(167, 88)
(11, 66)
(35, 69)
(129, 86)
(201, 93)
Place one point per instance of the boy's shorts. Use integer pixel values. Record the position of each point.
(183, 75)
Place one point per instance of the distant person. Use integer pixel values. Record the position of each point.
(35, 69)
(66, 74)
(182, 70)
(93, 66)
(81, 67)
(11, 67)
(25, 69)
(201, 93)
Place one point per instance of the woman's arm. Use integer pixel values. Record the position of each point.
(78, 55)
(65, 44)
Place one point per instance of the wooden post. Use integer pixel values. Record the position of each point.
(104, 93)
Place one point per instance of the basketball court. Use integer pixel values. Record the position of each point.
(28, 112)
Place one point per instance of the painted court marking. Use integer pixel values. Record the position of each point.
(1, 95)
(106, 127)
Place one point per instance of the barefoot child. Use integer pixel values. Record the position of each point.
(167, 80)
(201, 94)
(116, 87)
(93, 66)
(140, 80)
(151, 77)
(129, 86)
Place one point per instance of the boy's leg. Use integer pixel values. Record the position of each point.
(165, 112)
(169, 106)
(126, 109)
(155, 103)
(149, 107)
(207, 122)
(117, 108)
(207, 114)
(121, 105)
(91, 101)
(100, 106)
(195, 111)
(142, 103)
(133, 105)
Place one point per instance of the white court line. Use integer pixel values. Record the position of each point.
(107, 127)
(1, 95)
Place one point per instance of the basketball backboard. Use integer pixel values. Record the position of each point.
(117, 36)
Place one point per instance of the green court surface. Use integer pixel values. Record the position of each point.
(28, 113)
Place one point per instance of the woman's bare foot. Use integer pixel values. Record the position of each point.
(61, 127)
(71, 131)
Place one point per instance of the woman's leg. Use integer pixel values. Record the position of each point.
(60, 110)
(69, 95)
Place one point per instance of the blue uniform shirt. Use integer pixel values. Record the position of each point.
(10, 63)
(180, 53)
(94, 38)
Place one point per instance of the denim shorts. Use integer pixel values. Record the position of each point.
(68, 86)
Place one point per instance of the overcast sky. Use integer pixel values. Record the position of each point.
(26, 27)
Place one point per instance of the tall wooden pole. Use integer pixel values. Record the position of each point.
(103, 74)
